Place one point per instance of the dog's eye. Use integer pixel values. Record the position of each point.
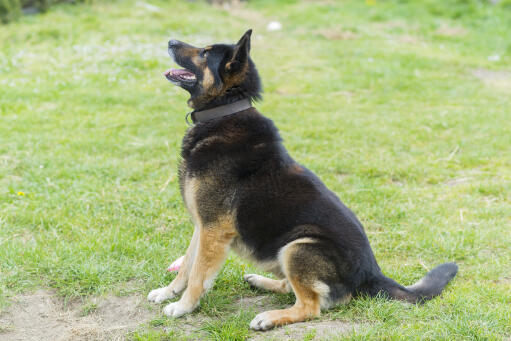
(203, 53)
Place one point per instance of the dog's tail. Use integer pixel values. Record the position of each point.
(425, 289)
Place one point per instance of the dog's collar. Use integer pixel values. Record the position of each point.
(217, 112)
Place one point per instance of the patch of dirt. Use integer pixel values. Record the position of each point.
(392, 25)
(189, 326)
(504, 280)
(457, 181)
(495, 78)
(257, 302)
(448, 31)
(43, 316)
(489, 75)
(408, 39)
(312, 330)
(341, 177)
(337, 34)
(256, 19)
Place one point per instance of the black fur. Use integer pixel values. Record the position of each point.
(277, 201)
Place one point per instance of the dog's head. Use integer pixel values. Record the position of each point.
(214, 72)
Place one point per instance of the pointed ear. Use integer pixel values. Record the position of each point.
(245, 40)
(240, 53)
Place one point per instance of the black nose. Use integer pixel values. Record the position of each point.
(173, 43)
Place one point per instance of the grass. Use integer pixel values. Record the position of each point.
(401, 107)
(234, 327)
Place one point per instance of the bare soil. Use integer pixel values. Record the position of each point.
(43, 316)
(498, 79)
(311, 330)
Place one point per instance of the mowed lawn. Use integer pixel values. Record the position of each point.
(402, 108)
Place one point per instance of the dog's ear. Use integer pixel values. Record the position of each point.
(240, 53)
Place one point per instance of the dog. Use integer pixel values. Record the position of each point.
(245, 192)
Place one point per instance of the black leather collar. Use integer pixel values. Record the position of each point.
(217, 112)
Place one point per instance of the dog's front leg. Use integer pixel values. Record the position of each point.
(213, 245)
(179, 283)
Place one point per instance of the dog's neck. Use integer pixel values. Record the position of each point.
(234, 100)
(220, 111)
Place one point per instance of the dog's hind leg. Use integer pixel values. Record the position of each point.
(298, 263)
(179, 283)
(213, 245)
(281, 286)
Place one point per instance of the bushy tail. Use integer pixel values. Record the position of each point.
(428, 287)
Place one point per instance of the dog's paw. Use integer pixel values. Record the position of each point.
(253, 280)
(177, 309)
(160, 295)
(262, 322)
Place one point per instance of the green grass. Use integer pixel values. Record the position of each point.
(393, 118)
(234, 327)
(13, 9)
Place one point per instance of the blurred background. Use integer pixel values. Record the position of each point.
(401, 107)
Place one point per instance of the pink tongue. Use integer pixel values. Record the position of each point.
(179, 72)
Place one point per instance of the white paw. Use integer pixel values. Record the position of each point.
(261, 322)
(253, 279)
(177, 309)
(160, 295)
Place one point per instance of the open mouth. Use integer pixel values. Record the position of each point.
(180, 75)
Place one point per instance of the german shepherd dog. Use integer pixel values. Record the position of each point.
(244, 191)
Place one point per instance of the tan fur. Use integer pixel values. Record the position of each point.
(308, 296)
(208, 141)
(191, 186)
(208, 80)
(181, 281)
(281, 286)
(190, 52)
(208, 84)
(284, 252)
(235, 79)
(198, 61)
(304, 309)
(296, 169)
(307, 306)
(214, 243)
(323, 291)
